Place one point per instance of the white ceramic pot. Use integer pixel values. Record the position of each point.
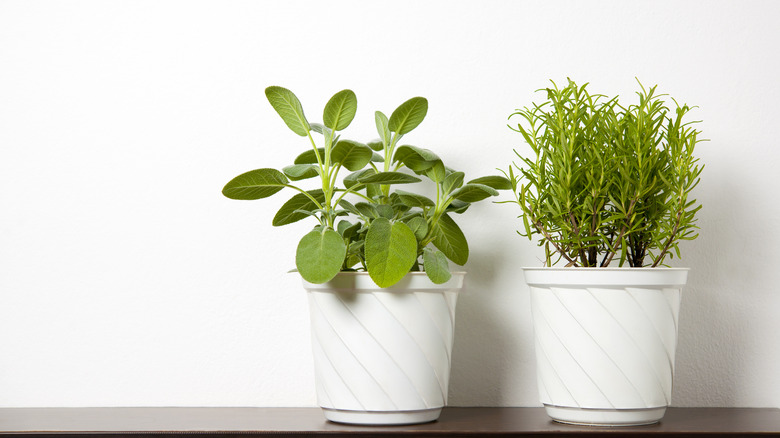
(605, 342)
(382, 355)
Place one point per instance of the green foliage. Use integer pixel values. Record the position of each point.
(363, 222)
(605, 181)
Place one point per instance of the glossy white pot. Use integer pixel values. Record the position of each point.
(605, 342)
(382, 355)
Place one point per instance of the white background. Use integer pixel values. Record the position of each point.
(127, 279)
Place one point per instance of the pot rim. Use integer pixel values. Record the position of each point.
(605, 277)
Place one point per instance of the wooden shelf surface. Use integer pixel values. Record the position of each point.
(308, 422)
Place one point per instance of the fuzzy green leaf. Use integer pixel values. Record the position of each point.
(289, 108)
(453, 181)
(436, 266)
(436, 173)
(320, 255)
(351, 154)
(408, 115)
(297, 172)
(415, 158)
(340, 110)
(389, 178)
(449, 239)
(354, 178)
(309, 156)
(414, 200)
(255, 184)
(382, 128)
(376, 145)
(474, 192)
(458, 207)
(391, 250)
(419, 227)
(294, 209)
(495, 181)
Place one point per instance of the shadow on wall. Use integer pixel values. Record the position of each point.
(713, 333)
(493, 357)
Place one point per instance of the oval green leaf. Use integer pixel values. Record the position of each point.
(453, 181)
(449, 239)
(297, 172)
(391, 250)
(414, 200)
(376, 145)
(408, 115)
(382, 128)
(354, 178)
(389, 178)
(255, 184)
(494, 181)
(436, 266)
(293, 210)
(340, 110)
(351, 154)
(289, 108)
(309, 156)
(320, 255)
(416, 159)
(419, 227)
(474, 192)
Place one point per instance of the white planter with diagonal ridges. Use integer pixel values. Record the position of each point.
(605, 342)
(382, 355)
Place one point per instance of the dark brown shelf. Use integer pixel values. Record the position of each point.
(308, 422)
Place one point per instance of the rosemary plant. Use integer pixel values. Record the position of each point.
(606, 183)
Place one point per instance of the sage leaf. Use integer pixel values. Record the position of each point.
(436, 173)
(346, 205)
(351, 154)
(298, 207)
(309, 156)
(320, 255)
(436, 266)
(415, 158)
(385, 211)
(382, 128)
(340, 110)
(474, 192)
(255, 184)
(297, 172)
(353, 178)
(419, 227)
(366, 209)
(389, 178)
(453, 181)
(408, 115)
(391, 250)
(376, 145)
(458, 207)
(289, 108)
(414, 200)
(494, 181)
(449, 239)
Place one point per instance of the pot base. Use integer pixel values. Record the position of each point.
(381, 418)
(605, 417)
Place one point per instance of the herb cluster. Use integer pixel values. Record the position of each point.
(606, 182)
(362, 221)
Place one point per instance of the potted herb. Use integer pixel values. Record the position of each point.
(607, 193)
(375, 265)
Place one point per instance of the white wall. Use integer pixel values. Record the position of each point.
(126, 279)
